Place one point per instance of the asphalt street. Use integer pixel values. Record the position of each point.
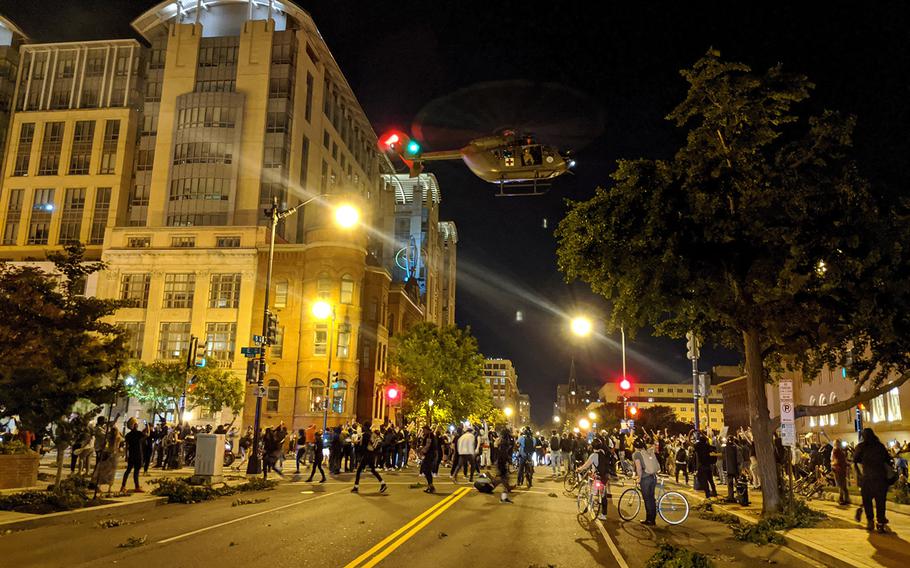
(304, 524)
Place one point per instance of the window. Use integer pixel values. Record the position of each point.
(347, 289)
(317, 392)
(878, 409)
(227, 242)
(304, 161)
(282, 53)
(822, 419)
(324, 287)
(894, 405)
(308, 108)
(145, 159)
(324, 178)
(224, 291)
(220, 338)
(139, 242)
(812, 420)
(81, 154)
(281, 294)
(344, 340)
(13, 217)
(157, 58)
(183, 242)
(203, 153)
(153, 90)
(49, 161)
(320, 339)
(279, 88)
(216, 56)
(832, 418)
(109, 147)
(277, 348)
(178, 290)
(135, 331)
(24, 148)
(207, 116)
(71, 218)
(277, 122)
(215, 86)
(135, 289)
(271, 396)
(99, 216)
(339, 390)
(174, 340)
(39, 226)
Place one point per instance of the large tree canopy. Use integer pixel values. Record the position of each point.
(760, 234)
(160, 385)
(441, 364)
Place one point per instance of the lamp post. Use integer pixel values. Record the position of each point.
(430, 412)
(323, 310)
(508, 412)
(346, 216)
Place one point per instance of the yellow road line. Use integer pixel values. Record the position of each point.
(457, 494)
(391, 548)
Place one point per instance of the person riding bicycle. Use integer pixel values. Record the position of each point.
(599, 463)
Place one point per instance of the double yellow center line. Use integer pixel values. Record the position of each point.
(387, 545)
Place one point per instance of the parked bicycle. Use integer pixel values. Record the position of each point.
(590, 494)
(672, 506)
(572, 481)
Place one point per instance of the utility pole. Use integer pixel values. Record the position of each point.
(692, 348)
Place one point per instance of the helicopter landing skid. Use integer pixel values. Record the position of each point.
(522, 189)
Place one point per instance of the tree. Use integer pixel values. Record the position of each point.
(56, 348)
(759, 234)
(441, 364)
(659, 418)
(160, 386)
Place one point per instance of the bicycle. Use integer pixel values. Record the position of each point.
(572, 481)
(672, 506)
(590, 495)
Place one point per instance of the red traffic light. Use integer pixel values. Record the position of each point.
(391, 140)
(625, 385)
(392, 392)
(633, 410)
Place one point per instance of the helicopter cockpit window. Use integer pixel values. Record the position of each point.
(531, 155)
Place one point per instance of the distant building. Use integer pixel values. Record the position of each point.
(677, 396)
(524, 409)
(11, 38)
(573, 399)
(502, 377)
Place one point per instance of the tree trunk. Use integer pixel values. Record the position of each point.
(60, 453)
(760, 422)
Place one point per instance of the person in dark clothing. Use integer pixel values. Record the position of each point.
(317, 459)
(427, 453)
(370, 445)
(135, 440)
(503, 457)
(147, 444)
(271, 449)
(682, 464)
(873, 478)
(732, 465)
(704, 460)
(301, 448)
(335, 451)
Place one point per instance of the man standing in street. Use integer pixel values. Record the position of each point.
(370, 444)
(503, 456)
(466, 446)
(135, 439)
(732, 466)
(646, 468)
(704, 459)
(427, 454)
(555, 454)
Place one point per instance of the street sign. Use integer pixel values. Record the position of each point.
(260, 392)
(250, 351)
(787, 412)
(258, 339)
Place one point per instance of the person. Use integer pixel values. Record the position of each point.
(555, 455)
(317, 458)
(301, 448)
(427, 453)
(370, 444)
(525, 456)
(504, 446)
(839, 467)
(466, 445)
(135, 441)
(682, 463)
(704, 459)
(271, 451)
(873, 478)
(646, 468)
(599, 463)
(732, 466)
(106, 467)
(147, 446)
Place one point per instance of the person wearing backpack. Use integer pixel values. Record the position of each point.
(599, 462)
(874, 479)
(646, 468)
(370, 445)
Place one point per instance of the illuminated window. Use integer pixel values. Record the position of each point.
(224, 291)
(894, 405)
(281, 294)
(347, 289)
(344, 340)
(135, 289)
(832, 418)
(317, 392)
(324, 287)
(173, 340)
(220, 339)
(320, 339)
(812, 420)
(339, 390)
(179, 289)
(823, 419)
(271, 396)
(878, 409)
(24, 148)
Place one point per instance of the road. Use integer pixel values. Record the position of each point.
(304, 524)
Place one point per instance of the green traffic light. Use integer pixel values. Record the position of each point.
(413, 148)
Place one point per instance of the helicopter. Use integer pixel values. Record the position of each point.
(515, 162)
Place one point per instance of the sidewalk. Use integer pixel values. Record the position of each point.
(840, 541)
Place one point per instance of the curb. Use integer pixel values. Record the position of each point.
(891, 505)
(81, 515)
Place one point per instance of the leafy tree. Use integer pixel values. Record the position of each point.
(759, 234)
(659, 418)
(55, 346)
(441, 364)
(160, 386)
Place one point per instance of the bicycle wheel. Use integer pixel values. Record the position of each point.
(593, 504)
(629, 504)
(673, 508)
(570, 483)
(583, 500)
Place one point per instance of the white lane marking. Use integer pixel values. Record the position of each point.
(611, 545)
(238, 519)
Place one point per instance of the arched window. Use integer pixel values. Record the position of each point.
(271, 396)
(339, 394)
(812, 420)
(347, 289)
(832, 418)
(324, 286)
(823, 419)
(317, 395)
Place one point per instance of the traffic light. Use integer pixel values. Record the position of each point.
(692, 345)
(412, 149)
(625, 385)
(199, 354)
(335, 379)
(393, 394)
(252, 371)
(271, 328)
(633, 411)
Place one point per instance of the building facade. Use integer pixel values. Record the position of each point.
(11, 39)
(502, 377)
(161, 157)
(524, 409)
(677, 396)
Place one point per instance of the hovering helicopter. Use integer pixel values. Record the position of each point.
(515, 162)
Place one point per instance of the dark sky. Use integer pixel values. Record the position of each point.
(625, 55)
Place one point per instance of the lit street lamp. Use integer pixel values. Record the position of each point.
(592, 416)
(556, 419)
(584, 424)
(346, 216)
(582, 327)
(324, 310)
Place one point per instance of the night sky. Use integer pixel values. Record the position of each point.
(400, 56)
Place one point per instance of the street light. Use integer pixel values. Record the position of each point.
(556, 419)
(584, 424)
(346, 216)
(582, 326)
(507, 411)
(592, 415)
(324, 310)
